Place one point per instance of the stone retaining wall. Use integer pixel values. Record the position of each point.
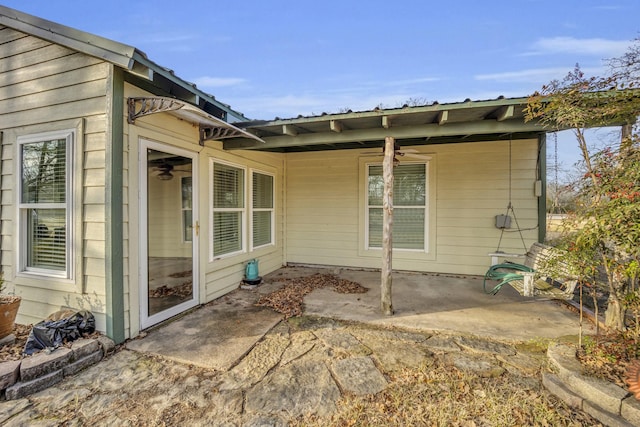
(603, 400)
(21, 378)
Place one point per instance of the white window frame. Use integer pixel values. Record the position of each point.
(272, 209)
(213, 209)
(68, 273)
(426, 208)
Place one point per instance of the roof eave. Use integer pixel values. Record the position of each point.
(147, 69)
(114, 52)
(436, 123)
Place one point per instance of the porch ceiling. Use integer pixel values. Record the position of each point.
(432, 124)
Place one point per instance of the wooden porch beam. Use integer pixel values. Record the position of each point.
(335, 126)
(432, 130)
(504, 113)
(443, 116)
(386, 122)
(289, 130)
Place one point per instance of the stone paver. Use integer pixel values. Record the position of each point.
(484, 346)
(442, 344)
(301, 344)
(9, 373)
(252, 368)
(484, 366)
(393, 357)
(43, 363)
(302, 387)
(603, 400)
(9, 410)
(521, 363)
(291, 371)
(342, 342)
(358, 375)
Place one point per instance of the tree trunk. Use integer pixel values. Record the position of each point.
(626, 135)
(614, 314)
(387, 227)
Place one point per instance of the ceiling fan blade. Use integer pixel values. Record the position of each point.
(416, 156)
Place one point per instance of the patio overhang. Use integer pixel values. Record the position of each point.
(467, 121)
(210, 128)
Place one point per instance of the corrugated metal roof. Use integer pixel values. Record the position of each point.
(493, 119)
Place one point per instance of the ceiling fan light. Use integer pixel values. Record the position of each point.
(164, 176)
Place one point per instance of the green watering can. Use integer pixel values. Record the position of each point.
(251, 271)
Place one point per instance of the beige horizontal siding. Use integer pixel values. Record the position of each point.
(325, 224)
(41, 52)
(45, 87)
(31, 307)
(221, 275)
(8, 35)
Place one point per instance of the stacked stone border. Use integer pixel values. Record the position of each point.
(21, 378)
(608, 403)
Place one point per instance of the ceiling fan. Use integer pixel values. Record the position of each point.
(165, 170)
(397, 152)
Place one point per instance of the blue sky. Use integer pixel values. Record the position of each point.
(283, 58)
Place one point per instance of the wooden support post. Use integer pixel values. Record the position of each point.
(387, 226)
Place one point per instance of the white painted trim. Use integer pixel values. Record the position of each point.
(68, 275)
(425, 207)
(252, 209)
(146, 320)
(243, 210)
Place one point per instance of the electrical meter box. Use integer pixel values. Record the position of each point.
(503, 221)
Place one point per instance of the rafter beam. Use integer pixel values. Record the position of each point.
(335, 126)
(504, 113)
(386, 122)
(443, 116)
(434, 130)
(289, 130)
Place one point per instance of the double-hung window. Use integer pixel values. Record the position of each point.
(262, 209)
(228, 209)
(409, 206)
(45, 203)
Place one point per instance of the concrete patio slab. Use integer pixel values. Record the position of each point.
(442, 303)
(215, 336)
(219, 334)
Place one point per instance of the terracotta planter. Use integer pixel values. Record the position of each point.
(8, 310)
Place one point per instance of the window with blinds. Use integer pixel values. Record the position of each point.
(228, 209)
(45, 202)
(262, 209)
(409, 206)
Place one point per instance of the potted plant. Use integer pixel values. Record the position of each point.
(9, 305)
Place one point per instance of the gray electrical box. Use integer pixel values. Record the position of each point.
(503, 221)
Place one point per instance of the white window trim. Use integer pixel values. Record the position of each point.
(68, 273)
(272, 241)
(212, 209)
(425, 207)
